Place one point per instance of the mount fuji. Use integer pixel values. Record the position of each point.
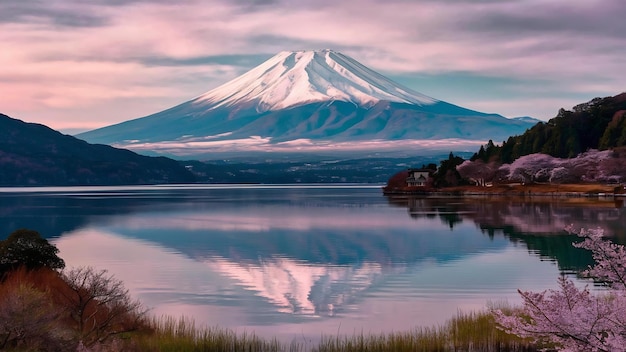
(307, 101)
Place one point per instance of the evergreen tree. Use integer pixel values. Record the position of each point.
(446, 174)
(27, 248)
(597, 124)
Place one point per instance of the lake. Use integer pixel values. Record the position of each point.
(298, 262)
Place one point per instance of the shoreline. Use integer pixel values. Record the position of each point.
(516, 190)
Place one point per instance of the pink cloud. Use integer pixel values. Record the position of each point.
(86, 75)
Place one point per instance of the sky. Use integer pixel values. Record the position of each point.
(82, 64)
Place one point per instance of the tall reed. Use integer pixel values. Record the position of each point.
(465, 332)
(182, 334)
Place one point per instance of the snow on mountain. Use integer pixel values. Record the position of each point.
(295, 78)
(312, 99)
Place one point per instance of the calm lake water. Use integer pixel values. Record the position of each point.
(297, 262)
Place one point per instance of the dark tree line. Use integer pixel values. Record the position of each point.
(597, 124)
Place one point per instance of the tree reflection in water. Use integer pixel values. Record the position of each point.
(536, 222)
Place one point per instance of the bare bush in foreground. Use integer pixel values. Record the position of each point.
(100, 306)
(29, 320)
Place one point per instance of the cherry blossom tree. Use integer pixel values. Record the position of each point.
(478, 172)
(614, 168)
(574, 319)
(590, 166)
(562, 174)
(533, 167)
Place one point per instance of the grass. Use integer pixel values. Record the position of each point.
(465, 332)
(170, 334)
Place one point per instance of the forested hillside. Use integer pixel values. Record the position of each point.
(35, 155)
(597, 124)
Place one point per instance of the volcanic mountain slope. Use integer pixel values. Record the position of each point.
(317, 96)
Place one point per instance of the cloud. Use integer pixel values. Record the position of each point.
(244, 61)
(580, 18)
(197, 147)
(49, 13)
(80, 61)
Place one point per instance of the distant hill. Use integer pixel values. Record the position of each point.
(597, 124)
(35, 155)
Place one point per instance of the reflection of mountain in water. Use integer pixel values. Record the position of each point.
(313, 251)
(314, 271)
(53, 214)
(302, 251)
(536, 222)
(387, 247)
(297, 287)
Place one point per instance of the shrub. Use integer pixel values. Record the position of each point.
(99, 306)
(29, 319)
(27, 248)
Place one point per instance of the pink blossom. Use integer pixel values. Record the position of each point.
(574, 319)
(610, 258)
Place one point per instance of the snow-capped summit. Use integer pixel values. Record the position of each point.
(318, 101)
(293, 78)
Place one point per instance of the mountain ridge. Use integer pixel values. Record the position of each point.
(36, 155)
